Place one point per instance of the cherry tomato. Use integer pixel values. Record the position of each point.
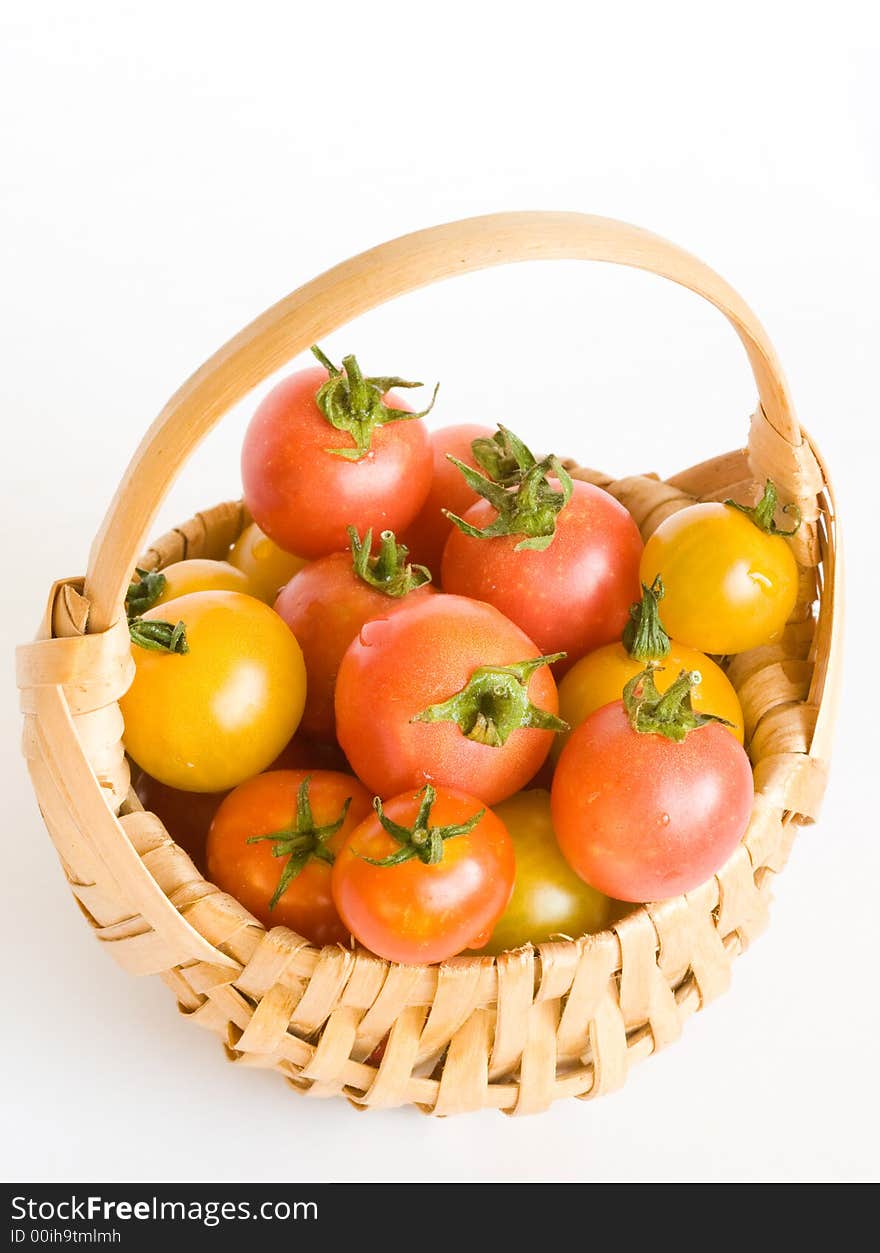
(427, 535)
(573, 595)
(446, 691)
(266, 566)
(548, 897)
(599, 679)
(186, 816)
(643, 817)
(272, 844)
(601, 676)
(328, 602)
(305, 480)
(208, 718)
(446, 875)
(198, 574)
(730, 585)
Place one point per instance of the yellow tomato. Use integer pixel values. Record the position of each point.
(600, 677)
(198, 574)
(548, 899)
(266, 566)
(221, 712)
(729, 584)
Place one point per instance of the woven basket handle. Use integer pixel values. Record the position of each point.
(356, 286)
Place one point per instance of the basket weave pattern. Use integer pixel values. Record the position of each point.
(514, 1032)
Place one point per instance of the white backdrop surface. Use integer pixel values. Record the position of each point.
(169, 170)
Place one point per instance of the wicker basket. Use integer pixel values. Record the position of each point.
(514, 1032)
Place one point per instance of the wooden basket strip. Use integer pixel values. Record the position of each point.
(270, 962)
(557, 966)
(464, 1079)
(271, 1020)
(456, 999)
(743, 904)
(389, 1087)
(645, 996)
(597, 964)
(608, 1044)
(326, 1069)
(516, 990)
(537, 1072)
(709, 957)
(397, 991)
(324, 989)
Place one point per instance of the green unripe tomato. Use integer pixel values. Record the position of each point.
(548, 898)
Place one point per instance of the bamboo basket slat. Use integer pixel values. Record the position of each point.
(516, 1032)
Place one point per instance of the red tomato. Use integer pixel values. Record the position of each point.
(309, 817)
(426, 536)
(327, 603)
(400, 669)
(303, 494)
(572, 596)
(185, 815)
(446, 879)
(642, 817)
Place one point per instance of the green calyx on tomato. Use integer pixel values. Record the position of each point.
(158, 636)
(643, 636)
(143, 594)
(389, 571)
(350, 402)
(671, 714)
(495, 702)
(763, 514)
(420, 840)
(503, 456)
(301, 840)
(528, 508)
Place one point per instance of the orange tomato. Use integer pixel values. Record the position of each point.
(273, 841)
(424, 877)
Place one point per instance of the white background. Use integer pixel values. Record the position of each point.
(169, 170)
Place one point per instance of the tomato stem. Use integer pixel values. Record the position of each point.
(763, 514)
(350, 402)
(143, 593)
(301, 840)
(524, 500)
(503, 457)
(671, 714)
(495, 702)
(158, 636)
(421, 839)
(389, 571)
(643, 636)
